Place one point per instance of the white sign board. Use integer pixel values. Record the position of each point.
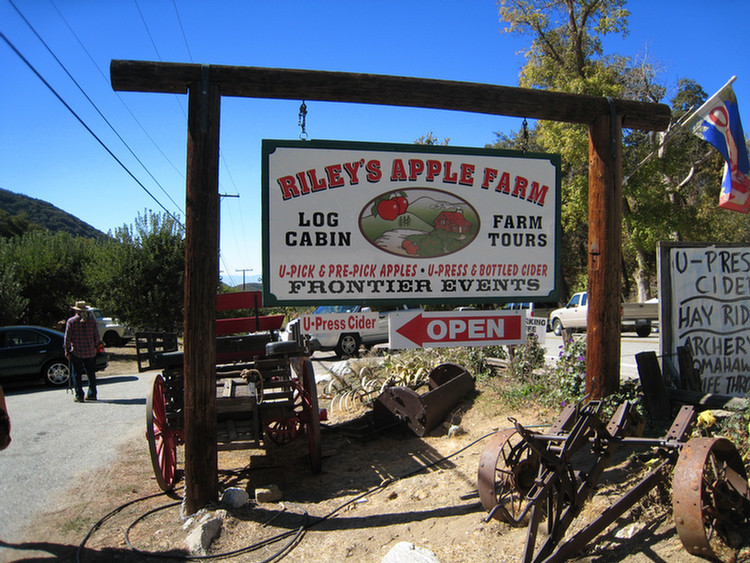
(538, 327)
(710, 313)
(338, 322)
(455, 328)
(356, 222)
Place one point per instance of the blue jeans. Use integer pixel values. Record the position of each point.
(81, 365)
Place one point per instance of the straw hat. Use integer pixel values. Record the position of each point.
(79, 306)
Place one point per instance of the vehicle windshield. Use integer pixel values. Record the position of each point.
(336, 309)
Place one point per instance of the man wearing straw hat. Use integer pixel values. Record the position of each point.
(81, 344)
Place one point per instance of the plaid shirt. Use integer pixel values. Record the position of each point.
(81, 337)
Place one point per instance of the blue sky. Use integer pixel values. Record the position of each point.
(47, 154)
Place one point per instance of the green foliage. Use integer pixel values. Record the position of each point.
(570, 371)
(431, 139)
(13, 304)
(140, 277)
(671, 196)
(15, 225)
(51, 270)
(474, 359)
(21, 213)
(526, 359)
(735, 428)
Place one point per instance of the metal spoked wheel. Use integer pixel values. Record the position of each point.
(507, 470)
(56, 372)
(162, 439)
(348, 345)
(710, 498)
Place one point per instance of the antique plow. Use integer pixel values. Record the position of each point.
(526, 478)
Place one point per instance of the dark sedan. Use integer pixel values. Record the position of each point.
(32, 352)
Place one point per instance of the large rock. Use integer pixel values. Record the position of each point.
(234, 497)
(199, 540)
(405, 552)
(271, 493)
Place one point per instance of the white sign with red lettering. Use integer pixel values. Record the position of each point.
(338, 322)
(367, 223)
(456, 328)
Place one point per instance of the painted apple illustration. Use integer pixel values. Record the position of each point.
(388, 209)
(403, 204)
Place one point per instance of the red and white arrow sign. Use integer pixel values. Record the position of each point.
(456, 328)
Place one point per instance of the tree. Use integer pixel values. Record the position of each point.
(674, 195)
(51, 270)
(12, 303)
(566, 55)
(140, 276)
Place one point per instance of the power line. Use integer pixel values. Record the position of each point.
(80, 88)
(182, 29)
(91, 132)
(122, 101)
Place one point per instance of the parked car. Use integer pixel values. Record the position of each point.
(32, 352)
(346, 342)
(111, 331)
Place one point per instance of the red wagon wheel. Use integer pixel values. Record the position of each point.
(310, 415)
(507, 470)
(306, 414)
(162, 439)
(710, 498)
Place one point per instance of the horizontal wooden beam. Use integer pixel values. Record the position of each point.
(292, 84)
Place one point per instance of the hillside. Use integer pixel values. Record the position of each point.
(19, 209)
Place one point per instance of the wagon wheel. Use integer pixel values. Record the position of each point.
(507, 470)
(281, 431)
(710, 498)
(310, 415)
(162, 439)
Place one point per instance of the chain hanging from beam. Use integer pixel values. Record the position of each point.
(302, 120)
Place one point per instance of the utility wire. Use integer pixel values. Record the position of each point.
(221, 155)
(80, 88)
(119, 97)
(91, 132)
(148, 31)
(182, 29)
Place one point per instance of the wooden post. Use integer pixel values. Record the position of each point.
(605, 256)
(201, 279)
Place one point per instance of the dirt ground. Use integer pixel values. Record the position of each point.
(373, 492)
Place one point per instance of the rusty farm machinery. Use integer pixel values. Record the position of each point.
(533, 479)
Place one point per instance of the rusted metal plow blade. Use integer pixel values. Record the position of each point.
(448, 383)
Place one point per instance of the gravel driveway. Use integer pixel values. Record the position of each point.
(55, 439)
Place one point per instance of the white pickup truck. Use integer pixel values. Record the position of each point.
(636, 317)
(111, 331)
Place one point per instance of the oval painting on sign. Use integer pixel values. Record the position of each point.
(419, 223)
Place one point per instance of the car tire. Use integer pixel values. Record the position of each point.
(111, 338)
(557, 327)
(643, 331)
(348, 345)
(56, 373)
